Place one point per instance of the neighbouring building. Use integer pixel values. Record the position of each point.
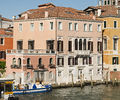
(109, 12)
(6, 42)
(5, 22)
(55, 45)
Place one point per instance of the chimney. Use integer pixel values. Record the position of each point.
(14, 17)
(26, 16)
(94, 17)
(99, 12)
(46, 14)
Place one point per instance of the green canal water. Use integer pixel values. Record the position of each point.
(100, 92)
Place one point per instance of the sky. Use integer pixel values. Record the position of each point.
(9, 8)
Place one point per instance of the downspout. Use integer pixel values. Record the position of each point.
(102, 53)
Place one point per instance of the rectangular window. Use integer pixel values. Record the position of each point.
(41, 26)
(60, 25)
(50, 46)
(90, 27)
(85, 60)
(70, 26)
(51, 25)
(2, 55)
(70, 46)
(99, 28)
(85, 27)
(2, 41)
(115, 61)
(20, 27)
(99, 46)
(71, 61)
(115, 24)
(31, 45)
(105, 44)
(105, 24)
(115, 44)
(60, 46)
(32, 26)
(76, 26)
(19, 45)
(60, 61)
(90, 60)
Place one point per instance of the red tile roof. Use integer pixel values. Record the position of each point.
(54, 11)
(4, 31)
(5, 19)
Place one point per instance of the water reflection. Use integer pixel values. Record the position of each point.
(100, 92)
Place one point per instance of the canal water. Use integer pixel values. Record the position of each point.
(100, 92)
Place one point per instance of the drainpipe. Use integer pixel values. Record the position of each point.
(102, 53)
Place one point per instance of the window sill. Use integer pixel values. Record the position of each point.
(60, 52)
(60, 65)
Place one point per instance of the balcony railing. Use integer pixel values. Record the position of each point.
(82, 52)
(28, 66)
(51, 65)
(27, 51)
(16, 66)
(41, 66)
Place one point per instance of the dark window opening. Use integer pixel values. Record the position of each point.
(19, 45)
(31, 45)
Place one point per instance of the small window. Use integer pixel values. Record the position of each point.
(41, 26)
(105, 3)
(90, 27)
(20, 27)
(70, 26)
(99, 28)
(85, 27)
(2, 41)
(32, 26)
(40, 61)
(115, 61)
(105, 24)
(115, 24)
(108, 2)
(76, 26)
(115, 43)
(60, 61)
(51, 25)
(60, 25)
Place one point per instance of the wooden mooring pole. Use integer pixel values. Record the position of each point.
(91, 82)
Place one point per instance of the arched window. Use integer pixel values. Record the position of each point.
(19, 62)
(76, 44)
(40, 61)
(51, 61)
(14, 61)
(105, 3)
(108, 2)
(28, 61)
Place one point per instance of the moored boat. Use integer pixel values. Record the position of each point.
(42, 89)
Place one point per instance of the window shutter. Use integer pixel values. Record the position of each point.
(97, 46)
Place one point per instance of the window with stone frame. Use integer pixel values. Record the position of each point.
(71, 61)
(115, 60)
(105, 24)
(19, 45)
(2, 41)
(90, 27)
(59, 25)
(75, 26)
(70, 46)
(60, 46)
(90, 45)
(80, 44)
(84, 44)
(19, 62)
(20, 28)
(85, 60)
(76, 44)
(41, 26)
(50, 45)
(2, 55)
(99, 46)
(32, 26)
(105, 43)
(31, 45)
(85, 27)
(90, 61)
(115, 43)
(115, 24)
(70, 26)
(60, 61)
(51, 25)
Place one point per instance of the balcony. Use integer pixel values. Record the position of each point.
(16, 66)
(51, 65)
(82, 52)
(29, 66)
(41, 66)
(27, 51)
